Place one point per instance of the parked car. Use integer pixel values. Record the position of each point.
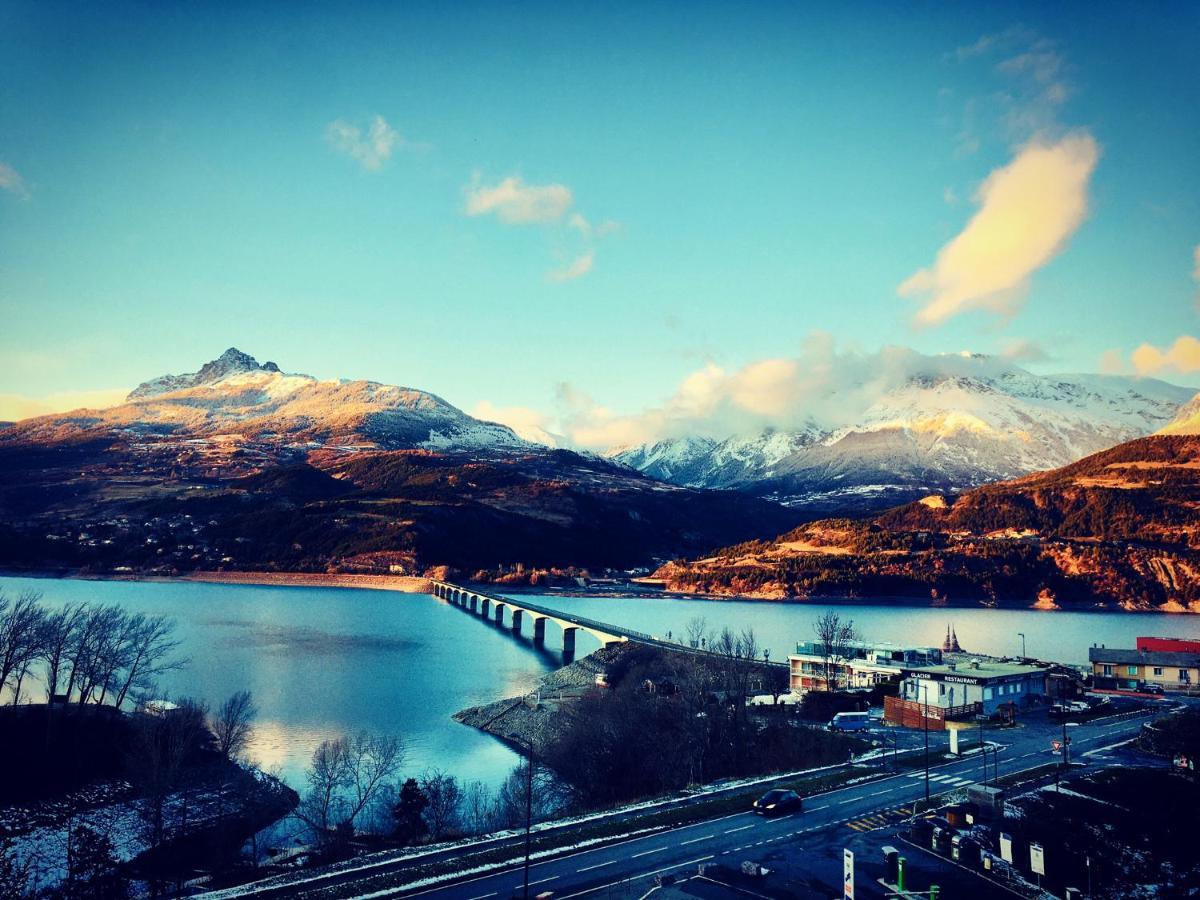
(1151, 688)
(850, 721)
(778, 802)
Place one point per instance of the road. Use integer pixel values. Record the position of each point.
(628, 867)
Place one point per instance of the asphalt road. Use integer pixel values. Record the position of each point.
(627, 868)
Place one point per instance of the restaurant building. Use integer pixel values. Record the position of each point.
(964, 690)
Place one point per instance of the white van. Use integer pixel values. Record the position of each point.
(850, 721)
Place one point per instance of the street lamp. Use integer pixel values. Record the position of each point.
(528, 747)
(925, 723)
(1021, 635)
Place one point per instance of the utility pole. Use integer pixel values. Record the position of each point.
(1021, 635)
(925, 722)
(528, 747)
(982, 750)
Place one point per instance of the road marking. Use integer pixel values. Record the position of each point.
(483, 896)
(648, 852)
(694, 840)
(596, 866)
(600, 887)
(818, 808)
(742, 828)
(543, 881)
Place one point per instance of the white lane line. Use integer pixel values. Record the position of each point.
(695, 840)
(742, 828)
(543, 881)
(485, 896)
(596, 866)
(647, 852)
(818, 808)
(850, 800)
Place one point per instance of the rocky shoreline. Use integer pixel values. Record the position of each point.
(536, 718)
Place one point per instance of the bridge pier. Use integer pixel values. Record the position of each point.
(487, 607)
(474, 604)
(539, 629)
(517, 616)
(569, 641)
(499, 613)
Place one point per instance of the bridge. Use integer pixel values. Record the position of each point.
(495, 609)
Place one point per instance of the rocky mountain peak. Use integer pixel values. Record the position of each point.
(232, 362)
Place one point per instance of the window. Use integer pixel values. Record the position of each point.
(1131, 670)
(987, 693)
(1158, 670)
(1108, 670)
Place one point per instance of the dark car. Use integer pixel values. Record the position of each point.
(778, 802)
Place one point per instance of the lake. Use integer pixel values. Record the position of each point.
(327, 661)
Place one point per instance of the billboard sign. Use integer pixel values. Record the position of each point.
(847, 875)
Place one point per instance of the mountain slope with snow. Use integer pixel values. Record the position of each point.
(234, 395)
(1188, 419)
(946, 428)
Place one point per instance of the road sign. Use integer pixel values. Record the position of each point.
(1037, 861)
(847, 875)
(1057, 745)
(1006, 853)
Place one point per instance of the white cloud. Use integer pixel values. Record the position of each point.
(1023, 350)
(371, 149)
(527, 423)
(1028, 210)
(516, 203)
(14, 407)
(11, 181)
(822, 386)
(578, 267)
(1182, 357)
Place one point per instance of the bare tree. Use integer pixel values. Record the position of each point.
(445, 798)
(834, 636)
(147, 653)
(696, 631)
(59, 632)
(346, 776)
(233, 723)
(477, 808)
(22, 630)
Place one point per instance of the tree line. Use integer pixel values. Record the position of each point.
(84, 653)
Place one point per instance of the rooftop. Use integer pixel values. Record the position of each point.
(985, 668)
(1144, 657)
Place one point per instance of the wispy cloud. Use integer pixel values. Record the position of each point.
(516, 203)
(372, 148)
(11, 181)
(577, 268)
(1182, 357)
(1028, 210)
(1023, 350)
(14, 407)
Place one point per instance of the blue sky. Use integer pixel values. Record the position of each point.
(520, 205)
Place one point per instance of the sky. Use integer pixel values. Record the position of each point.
(562, 215)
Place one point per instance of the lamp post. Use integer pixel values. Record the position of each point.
(528, 747)
(1021, 635)
(925, 723)
(982, 749)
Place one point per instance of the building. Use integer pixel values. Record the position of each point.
(860, 665)
(964, 690)
(1172, 664)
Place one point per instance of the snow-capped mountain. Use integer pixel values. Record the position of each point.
(235, 395)
(945, 428)
(1188, 419)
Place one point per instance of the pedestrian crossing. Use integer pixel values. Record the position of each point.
(943, 780)
(881, 819)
